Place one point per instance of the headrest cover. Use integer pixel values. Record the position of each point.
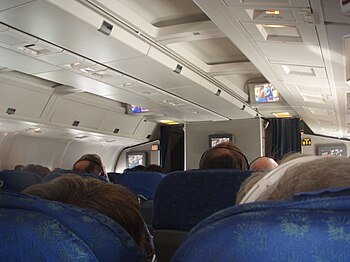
(272, 178)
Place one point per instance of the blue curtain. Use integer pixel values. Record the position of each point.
(285, 136)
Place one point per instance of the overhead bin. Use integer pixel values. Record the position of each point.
(75, 27)
(77, 114)
(20, 99)
(120, 124)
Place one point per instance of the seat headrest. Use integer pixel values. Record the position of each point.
(43, 230)
(294, 230)
(62, 172)
(141, 182)
(184, 198)
(18, 180)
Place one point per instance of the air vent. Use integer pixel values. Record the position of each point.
(178, 69)
(75, 123)
(10, 111)
(116, 131)
(106, 28)
(149, 137)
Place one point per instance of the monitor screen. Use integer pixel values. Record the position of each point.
(218, 139)
(135, 159)
(137, 109)
(266, 93)
(332, 150)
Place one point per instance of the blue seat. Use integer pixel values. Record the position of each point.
(141, 183)
(184, 198)
(33, 229)
(113, 177)
(62, 172)
(306, 228)
(18, 180)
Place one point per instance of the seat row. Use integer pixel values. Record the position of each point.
(310, 227)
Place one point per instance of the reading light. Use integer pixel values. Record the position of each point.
(282, 114)
(272, 12)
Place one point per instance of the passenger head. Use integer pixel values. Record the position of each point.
(247, 184)
(291, 156)
(37, 169)
(18, 167)
(224, 155)
(155, 168)
(109, 199)
(90, 163)
(263, 164)
(322, 173)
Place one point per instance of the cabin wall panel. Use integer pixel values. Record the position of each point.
(246, 134)
(27, 150)
(319, 140)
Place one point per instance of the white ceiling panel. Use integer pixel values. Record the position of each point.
(269, 3)
(296, 54)
(6, 4)
(295, 70)
(266, 15)
(286, 33)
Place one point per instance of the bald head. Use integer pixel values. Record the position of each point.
(263, 164)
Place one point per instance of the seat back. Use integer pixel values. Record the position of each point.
(141, 183)
(185, 198)
(33, 229)
(315, 228)
(18, 180)
(62, 172)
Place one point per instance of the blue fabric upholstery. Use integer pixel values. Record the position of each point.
(62, 172)
(141, 183)
(185, 198)
(309, 228)
(113, 177)
(18, 180)
(33, 229)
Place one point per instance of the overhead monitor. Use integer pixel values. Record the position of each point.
(135, 159)
(132, 109)
(261, 94)
(216, 139)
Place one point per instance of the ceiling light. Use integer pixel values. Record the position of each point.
(168, 122)
(272, 12)
(282, 114)
(274, 26)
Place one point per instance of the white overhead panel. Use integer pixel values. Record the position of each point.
(75, 27)
(20, 99)
(157, 69)
(269, 3)
(337, 11)
(76, 114)
(6, 4)
(81, 82)
(120, 124)
(161, 19)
